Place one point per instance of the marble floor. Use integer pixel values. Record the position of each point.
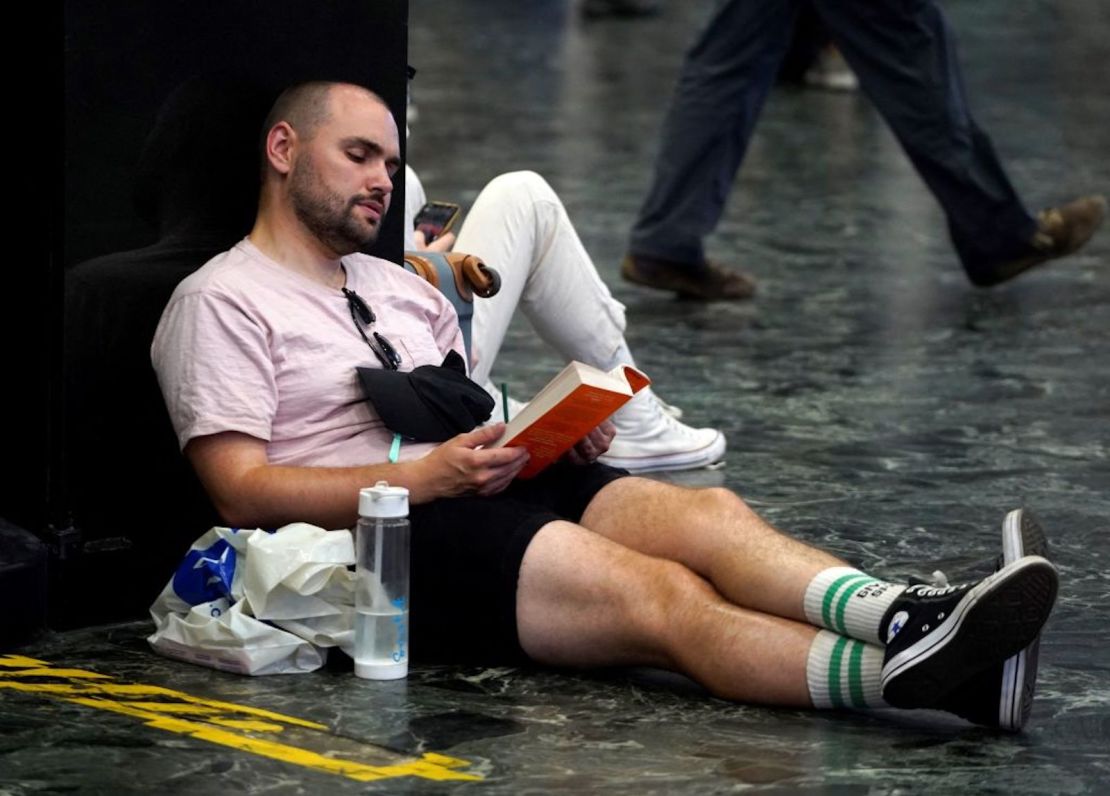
(874, 404)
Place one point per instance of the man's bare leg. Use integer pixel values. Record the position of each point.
(716, 535)
(929, 639)
(584, 600)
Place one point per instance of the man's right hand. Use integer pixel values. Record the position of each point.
(459, 467)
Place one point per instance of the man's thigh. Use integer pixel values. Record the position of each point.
(466, 560)
(687, 525)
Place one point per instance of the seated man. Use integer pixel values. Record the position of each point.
(518, 225)
(584, 565)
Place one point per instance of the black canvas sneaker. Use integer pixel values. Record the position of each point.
(938, 637)
(1002, 696)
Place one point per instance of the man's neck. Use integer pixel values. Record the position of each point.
(288, 243)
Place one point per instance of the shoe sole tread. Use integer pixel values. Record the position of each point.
(1021, 535)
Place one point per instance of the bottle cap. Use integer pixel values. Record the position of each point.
(383, 500)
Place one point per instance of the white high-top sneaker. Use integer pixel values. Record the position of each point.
(650, 438)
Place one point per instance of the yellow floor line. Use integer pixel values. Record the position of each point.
(225, 723)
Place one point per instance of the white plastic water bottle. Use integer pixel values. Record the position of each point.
(382, 583)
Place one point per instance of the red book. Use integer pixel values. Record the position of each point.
(572, 405)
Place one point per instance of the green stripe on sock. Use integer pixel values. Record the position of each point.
(855, 675)
(830, 593)
(834, 673)
(842, 605)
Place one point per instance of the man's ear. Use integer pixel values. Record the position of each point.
(280, 143)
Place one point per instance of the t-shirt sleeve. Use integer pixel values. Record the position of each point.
(215, 369)
(447, 331)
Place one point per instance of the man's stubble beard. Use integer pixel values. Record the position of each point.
(326, 214)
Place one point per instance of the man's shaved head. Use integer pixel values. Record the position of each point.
(304, 107)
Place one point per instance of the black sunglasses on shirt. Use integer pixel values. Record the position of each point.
(382, 348)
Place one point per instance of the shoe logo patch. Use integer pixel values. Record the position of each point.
(897, 622)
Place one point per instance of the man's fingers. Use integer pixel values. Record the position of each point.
(483, 435)
(503, 477)
(485, 465)
(501, 457)
(496, 485)
(604, 433)
(574, 457)
(443, 243)
(600, 439)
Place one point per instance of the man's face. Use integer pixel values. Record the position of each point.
(341, 180)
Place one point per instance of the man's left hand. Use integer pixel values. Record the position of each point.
(587, 449)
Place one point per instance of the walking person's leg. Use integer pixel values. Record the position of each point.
(905, 57)
(725, 79)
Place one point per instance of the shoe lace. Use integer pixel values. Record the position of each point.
(660, 414)
(656, 416)
(937, 580)
(669, 408)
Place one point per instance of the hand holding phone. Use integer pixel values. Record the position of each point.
(435, 218)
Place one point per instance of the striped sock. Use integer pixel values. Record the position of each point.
(844, 673)
(849, 602)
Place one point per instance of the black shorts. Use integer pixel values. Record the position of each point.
(466, 555)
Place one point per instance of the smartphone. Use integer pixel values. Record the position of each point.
(435, 218)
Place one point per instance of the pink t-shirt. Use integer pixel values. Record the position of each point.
(248, 345)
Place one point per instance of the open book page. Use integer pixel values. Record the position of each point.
(571, 405)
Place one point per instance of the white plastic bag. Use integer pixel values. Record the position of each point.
(256, 602)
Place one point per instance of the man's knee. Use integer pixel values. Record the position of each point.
(720, 499)
(584, 600)
(519, 186)
(515, 181)
(669, 611)
(637, 494)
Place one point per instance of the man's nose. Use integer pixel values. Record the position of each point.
(378, 178)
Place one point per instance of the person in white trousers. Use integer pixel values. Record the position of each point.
(518, 226)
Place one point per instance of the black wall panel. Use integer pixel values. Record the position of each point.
(123, 59)
(98, 478)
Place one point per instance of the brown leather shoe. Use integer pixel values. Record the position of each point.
(707, 281)
(1060, 232)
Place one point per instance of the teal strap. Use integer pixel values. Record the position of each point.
(395, 449)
